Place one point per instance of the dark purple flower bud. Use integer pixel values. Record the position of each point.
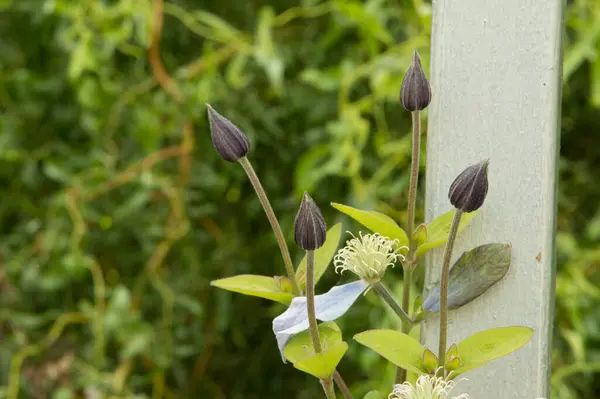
(309, 228)
(415, 92)
(227, 138)
(469, 189)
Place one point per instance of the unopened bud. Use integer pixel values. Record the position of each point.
(227, 138)
(309, 228)
(415, 92)
(469, 189)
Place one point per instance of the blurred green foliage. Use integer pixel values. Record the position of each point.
(116, 213)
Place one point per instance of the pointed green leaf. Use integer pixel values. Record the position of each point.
(429, 361)
(485, 346)
(438, 229)
(472, 275)
(374, 395)
(300, 351)
(260, 286)
(376, 222)
(323, 365)
(452, 351)
(420, 235)
(323, 256)
(399, 348)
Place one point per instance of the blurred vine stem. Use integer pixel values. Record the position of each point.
(412, 202)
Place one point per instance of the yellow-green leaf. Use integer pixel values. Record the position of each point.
(420, 235)
(300, 346)
(485, 346)
(429, 361)
(439, 228)
(323, 256)
(323, 365)
(260, 286)
(399, 348)
(300, 351)
(376, 222)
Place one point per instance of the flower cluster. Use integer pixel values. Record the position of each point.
(368, 256)
(427, 387)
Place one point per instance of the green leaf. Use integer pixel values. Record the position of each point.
(270, 288)
(323, 365)
(323, 256)
(300, 351)
(420, 235)
(429, 361)
(439, 228)
(373, 395)
(472, 275)
(376, 222)
(399, 348)
(485, 346)
(300, 346)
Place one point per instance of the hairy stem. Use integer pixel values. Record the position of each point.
(414, 177)
(444, 288)
(313, 328)
(410, 227)
(406, 327)
(342, 385)
(391, 301)
(264, 200)
(328, 388)
(310, 301)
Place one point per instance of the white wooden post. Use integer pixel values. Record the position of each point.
(495, 75)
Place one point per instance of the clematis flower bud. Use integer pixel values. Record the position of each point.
(227, 138)
(309, 228)
(469, 189)
(415, 92)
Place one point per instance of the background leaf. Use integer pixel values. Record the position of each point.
(323, 256)
(260, 286)
(473, 274)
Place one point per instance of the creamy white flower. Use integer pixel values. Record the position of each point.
(368, 256)
(427, 387)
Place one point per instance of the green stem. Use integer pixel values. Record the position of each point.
(310, 301)
(342, 385)
(410, 226)
(313, 328)
(328, 388)
(414, 177)
(391, 301)
(444, 288)
(406, 327)
(264, 200)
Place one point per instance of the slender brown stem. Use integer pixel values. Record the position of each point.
(414, 176)
(310, 301)
(313, 328)
(444, 288)
(328, 388)
(406, 327)
(264, 200)
(391, 301)
(410, 226)
(342, 385)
